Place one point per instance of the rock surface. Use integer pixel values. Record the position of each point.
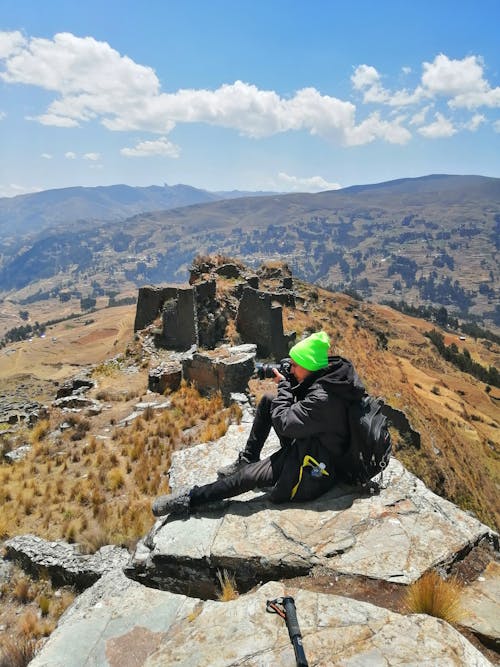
(63, 562)
(481, 602)
(119, 623)
(395, 536)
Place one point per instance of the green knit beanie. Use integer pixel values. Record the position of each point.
(312, 352)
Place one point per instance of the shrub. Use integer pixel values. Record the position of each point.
(436, 597)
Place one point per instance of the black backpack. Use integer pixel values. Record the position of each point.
(370, 446)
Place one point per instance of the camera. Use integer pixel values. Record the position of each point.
(266, 370)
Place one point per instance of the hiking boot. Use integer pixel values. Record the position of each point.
(235, 466)
(175, 503)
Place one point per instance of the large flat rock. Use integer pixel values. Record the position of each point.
(119, 623)
(395, 536)
(481, 604)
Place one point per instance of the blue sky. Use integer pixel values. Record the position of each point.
(253, 95)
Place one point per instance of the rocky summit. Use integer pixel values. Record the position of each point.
(162, 612)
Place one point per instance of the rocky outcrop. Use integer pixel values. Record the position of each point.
(64, 562)
(165, 376)
(400, 422)
(481, 602)
(394, 536)
(226, 369)
(118, 623)
(179, 324)
(74, 386)
(77, 402)
(13, 411)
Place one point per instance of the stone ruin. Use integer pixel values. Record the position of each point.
(196, 314)
(195, 317)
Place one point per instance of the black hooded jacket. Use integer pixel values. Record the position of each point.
(312, 419)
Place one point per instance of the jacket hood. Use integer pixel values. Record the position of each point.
(339, 378)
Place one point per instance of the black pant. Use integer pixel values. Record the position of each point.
(257, 475)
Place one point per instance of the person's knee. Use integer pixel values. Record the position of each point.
(265, 403)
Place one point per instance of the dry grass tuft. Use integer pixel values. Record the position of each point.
(39, 431)
(436, 597)
(228, 590)
(18, 652)
(21, 590)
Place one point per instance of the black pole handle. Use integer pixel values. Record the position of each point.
(291, 617)
(294, 631)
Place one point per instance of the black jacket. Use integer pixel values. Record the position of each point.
(312, 418)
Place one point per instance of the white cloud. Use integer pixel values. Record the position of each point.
(92, 82)
(476, 120)
(92, 156)
(12, 190)
(46, 156)
(365, 76)
(452, 77)
(367, 79)
(376, 128)
(2, 115)
(308, 184)
(462, 80)
(496, 126)
(419, 117)
(11, 43)
(406, 70)
(70, 155)
(473, 100)
(441, 127)
(149, 148)
(54, 119)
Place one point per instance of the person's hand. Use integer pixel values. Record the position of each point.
(277, 376)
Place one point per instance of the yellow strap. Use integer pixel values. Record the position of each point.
(308, 461)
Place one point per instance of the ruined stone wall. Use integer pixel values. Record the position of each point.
(195, 315)
(150, 302)
(180, 330)
(260, 321)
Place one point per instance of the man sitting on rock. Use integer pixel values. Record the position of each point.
(309, 415)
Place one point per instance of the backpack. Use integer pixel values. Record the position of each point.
(370, 446)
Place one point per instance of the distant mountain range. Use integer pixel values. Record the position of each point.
(433, 240)
(41, 210)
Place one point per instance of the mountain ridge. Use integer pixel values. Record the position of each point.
(433, 240)
(35, 212)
